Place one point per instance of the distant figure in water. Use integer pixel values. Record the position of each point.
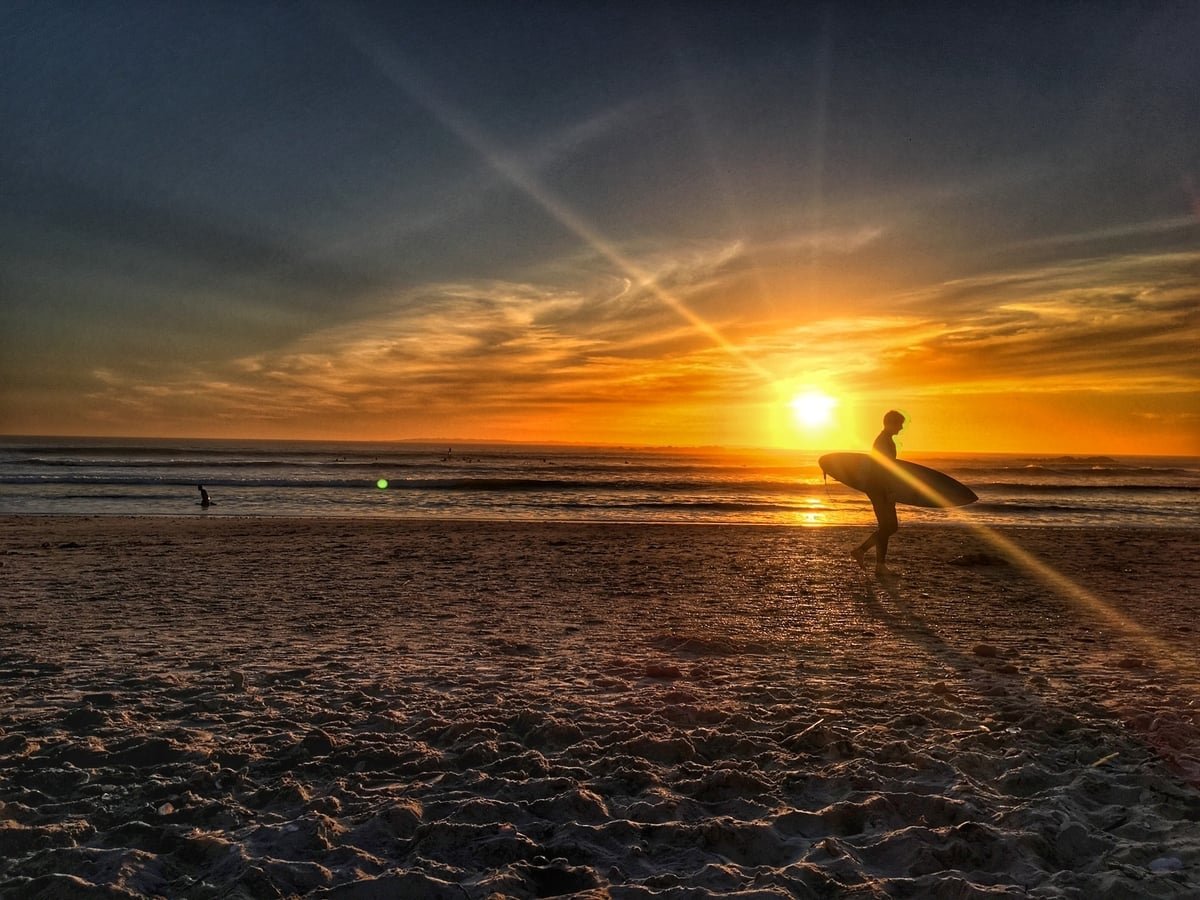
(204, 501)
(881, 500)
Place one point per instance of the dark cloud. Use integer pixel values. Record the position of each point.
(199, 247)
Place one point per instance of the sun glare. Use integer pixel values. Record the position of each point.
(813, 409)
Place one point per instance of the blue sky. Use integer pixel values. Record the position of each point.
(635, 222)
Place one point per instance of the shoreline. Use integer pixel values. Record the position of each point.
(264, 706)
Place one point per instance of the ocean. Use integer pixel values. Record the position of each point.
(88, 476)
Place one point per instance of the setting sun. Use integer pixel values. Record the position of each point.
(813, 409)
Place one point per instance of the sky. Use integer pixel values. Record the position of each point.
(610, 223)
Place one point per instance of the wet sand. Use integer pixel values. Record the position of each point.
(242, 708)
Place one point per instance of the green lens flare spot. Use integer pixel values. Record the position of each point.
(381, 484)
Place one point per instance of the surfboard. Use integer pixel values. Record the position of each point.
(909, 483)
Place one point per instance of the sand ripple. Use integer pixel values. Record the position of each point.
(224, 709)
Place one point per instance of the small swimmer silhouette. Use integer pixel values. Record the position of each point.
(204, 501)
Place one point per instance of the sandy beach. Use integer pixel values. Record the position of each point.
(244, 708)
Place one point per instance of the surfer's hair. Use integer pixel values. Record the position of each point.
(893, 416)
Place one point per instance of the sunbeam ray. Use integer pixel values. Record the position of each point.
(401, 74)
(689, 81)
(1049, 576)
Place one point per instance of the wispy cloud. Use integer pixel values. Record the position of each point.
(1129, 323)
(461, 352)
(1153, 228)
(461, 357)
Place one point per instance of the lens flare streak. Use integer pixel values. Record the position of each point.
(1163, 653)
(389, 64)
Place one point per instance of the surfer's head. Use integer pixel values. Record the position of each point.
(893, 420)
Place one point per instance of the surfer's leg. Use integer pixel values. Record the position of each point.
(885, 512)
(861, 550)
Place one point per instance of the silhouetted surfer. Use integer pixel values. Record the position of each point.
(204, 501)
(881, 500)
